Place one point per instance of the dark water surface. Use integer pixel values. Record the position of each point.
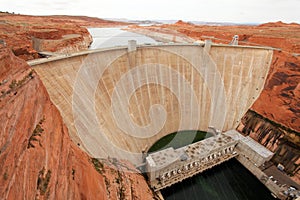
(179, 139)
(228, 181)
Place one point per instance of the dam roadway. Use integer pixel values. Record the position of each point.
(118, 102)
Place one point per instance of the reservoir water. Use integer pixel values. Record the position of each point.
(112, 37)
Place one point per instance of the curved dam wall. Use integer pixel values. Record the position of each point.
(118, 103)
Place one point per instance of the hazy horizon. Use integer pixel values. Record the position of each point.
(231, 11)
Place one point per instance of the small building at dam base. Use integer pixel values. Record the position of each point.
(169, 166)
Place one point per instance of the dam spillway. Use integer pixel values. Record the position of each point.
(118, 102)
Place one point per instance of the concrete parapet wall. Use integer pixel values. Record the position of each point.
(118, 103)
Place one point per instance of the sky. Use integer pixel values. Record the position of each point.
(239, 11)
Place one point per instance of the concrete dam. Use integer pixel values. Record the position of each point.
(118, 102)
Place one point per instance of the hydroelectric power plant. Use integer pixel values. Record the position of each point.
(117, 102)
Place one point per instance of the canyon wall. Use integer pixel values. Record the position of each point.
(28, 35)
(38, 159)
(279, 139)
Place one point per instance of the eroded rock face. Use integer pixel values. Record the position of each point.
(122, 180)
(28, 35)
(38, 159)
(280, 99)
(284, 142)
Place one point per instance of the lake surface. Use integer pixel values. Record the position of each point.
(228, 181)
(113, 37)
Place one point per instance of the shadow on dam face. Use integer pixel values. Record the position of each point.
(118, 103)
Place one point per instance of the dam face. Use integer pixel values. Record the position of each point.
(118, 103)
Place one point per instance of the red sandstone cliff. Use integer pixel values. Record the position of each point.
(280, 99)
(28, 35)
(38, 159)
